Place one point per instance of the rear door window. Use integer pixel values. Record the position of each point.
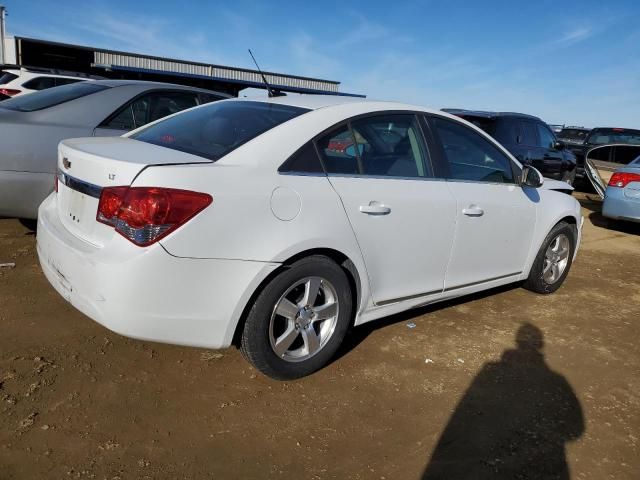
(150, 107)
(213, 130)
(528, 135)
(381, 145)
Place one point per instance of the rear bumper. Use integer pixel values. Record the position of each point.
(146, 293)
(617, 206)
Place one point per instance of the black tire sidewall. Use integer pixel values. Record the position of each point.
(536, 281)
(255, 343)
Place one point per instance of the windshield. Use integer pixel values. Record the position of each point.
(214, 130)
(604, 136)
(52, 96)
(576, 134)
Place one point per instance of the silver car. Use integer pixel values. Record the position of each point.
(31, 126)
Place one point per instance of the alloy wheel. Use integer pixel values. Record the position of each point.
(556, 259)
(304, 319)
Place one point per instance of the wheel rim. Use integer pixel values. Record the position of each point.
(556, 259)
(304, 319)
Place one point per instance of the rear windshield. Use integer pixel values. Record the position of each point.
(604, 136)
(6, 77)
(214, 130)
(52, 96)
(573, 134)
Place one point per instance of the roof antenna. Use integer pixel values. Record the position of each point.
(272, 92)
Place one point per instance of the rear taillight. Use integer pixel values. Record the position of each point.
(144, 215)
(621, 179)
(9, 92)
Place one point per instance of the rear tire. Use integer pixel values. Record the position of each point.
(299, 319)
(554, 259)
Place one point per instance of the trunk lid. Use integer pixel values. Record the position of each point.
(86, 165)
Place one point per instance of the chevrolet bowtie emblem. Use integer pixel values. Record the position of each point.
(66, 163)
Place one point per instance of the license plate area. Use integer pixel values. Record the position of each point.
(77, 212)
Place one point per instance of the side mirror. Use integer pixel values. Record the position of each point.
(557, 145)
(531, 177)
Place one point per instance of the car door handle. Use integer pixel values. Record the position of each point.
(473, 211)
(375, 208)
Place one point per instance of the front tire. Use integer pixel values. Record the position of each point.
(554, 259)
(299, 319)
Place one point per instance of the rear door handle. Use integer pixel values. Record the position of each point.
(375, 208)
(473, 211)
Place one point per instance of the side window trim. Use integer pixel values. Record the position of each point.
(442, 156)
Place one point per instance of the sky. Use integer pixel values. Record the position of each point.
(569, 62)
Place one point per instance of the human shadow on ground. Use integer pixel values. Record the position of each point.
(513, 422)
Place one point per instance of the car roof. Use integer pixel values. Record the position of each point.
(316, 102)
(142, 83)
(487, 114)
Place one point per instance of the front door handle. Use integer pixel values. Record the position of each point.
(473, 211)
(375, 208)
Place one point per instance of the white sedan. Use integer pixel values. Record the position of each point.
(278, 224)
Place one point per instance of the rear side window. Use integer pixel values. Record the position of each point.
(6, 77)
(215, 129)
(40, 83)
(471, 157)
(52, 96)
(305, 160)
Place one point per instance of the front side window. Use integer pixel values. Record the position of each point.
(214, 130)
(52, 96)
(469, 156)
(547, 140)
(380, 145)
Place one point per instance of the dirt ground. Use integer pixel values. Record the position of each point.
(454, 393)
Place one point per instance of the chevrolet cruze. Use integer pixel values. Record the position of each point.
(278, 224)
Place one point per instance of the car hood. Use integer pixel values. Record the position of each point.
(550, 184)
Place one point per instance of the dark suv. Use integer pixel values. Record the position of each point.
(528, 139)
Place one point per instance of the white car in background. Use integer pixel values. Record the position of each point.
(278, 224)
(19, 81)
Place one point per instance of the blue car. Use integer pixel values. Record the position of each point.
(622, 197)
